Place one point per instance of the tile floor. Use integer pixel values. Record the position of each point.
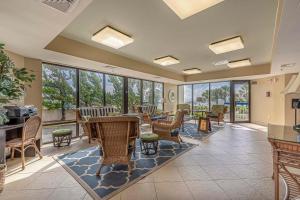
(234, 163)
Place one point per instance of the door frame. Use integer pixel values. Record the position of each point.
(232, 101)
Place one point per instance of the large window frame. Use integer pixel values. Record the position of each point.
(125, 93)
(231, 106)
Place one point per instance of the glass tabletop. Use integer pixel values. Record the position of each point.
(283, 133)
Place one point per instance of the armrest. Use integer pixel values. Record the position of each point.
(164, 121)
(162, 125)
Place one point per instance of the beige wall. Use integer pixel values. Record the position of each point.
(265, 109)
(33, 94)
(168, 105)
(275, 109)
(289, 112)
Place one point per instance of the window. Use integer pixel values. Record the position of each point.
(59, 96)
(220, 95)
(185, 94)
(158, 95)
(147, 92)
(90, 88)
(61, 90)
(134, 93)
(201, 97)
(114, 91)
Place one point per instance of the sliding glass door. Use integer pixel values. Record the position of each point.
(241, 101)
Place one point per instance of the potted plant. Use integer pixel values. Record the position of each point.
(12, 82)
(2, 176)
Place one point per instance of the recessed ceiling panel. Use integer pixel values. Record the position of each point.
(157, 31)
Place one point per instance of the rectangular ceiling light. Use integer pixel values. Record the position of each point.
(192, 71)
(167, 60)
(187, 8)
(227, 45)
(239, 63)
(112, 38)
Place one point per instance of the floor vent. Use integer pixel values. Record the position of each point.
(62, 5)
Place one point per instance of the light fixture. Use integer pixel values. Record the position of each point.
(239, 63)
(227, 45)
(222, 62)
(112, 38)
(192, 71)
(187, 8)
(167, 60)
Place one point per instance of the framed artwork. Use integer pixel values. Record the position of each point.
(171, 96)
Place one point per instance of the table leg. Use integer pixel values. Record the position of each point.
(2, 147)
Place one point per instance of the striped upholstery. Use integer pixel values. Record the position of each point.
(149, 109)
(96, 111)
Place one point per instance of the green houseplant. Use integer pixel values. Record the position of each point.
(12, 82)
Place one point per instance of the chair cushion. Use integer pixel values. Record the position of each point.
(175, 132)
(149, 137)
(62, 132)
(158, 117)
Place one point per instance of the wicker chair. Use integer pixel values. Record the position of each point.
(169, 130)
(116, 136)
(84, 113)
(217, 113)
(28, 139)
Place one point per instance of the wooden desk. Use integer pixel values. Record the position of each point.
(286, 158)
(10, 132)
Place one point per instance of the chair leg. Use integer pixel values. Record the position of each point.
(99, 170)
(129, 168)
(23, 157)
(37, 151)
(12, 153)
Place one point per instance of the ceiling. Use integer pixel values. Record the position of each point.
(287, 44)
(158, 31)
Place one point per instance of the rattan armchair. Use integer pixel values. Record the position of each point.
(169, 130)
(28, 139)
(116, 137)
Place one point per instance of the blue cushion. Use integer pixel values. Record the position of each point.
(175, 132)
(157, 117)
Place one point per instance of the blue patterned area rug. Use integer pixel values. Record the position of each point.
(83, 164)
(191, 131)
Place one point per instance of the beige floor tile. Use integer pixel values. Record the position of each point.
(76, 193)
(239, 190)
(88, 197)
(219, 172)
(206, 190)
(19, 181)
(26, 194)
(48, 180)
(145, 191)
(167, 173)
(189, 173)
(172, 190)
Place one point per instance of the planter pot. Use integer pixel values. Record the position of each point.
(2, 177)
